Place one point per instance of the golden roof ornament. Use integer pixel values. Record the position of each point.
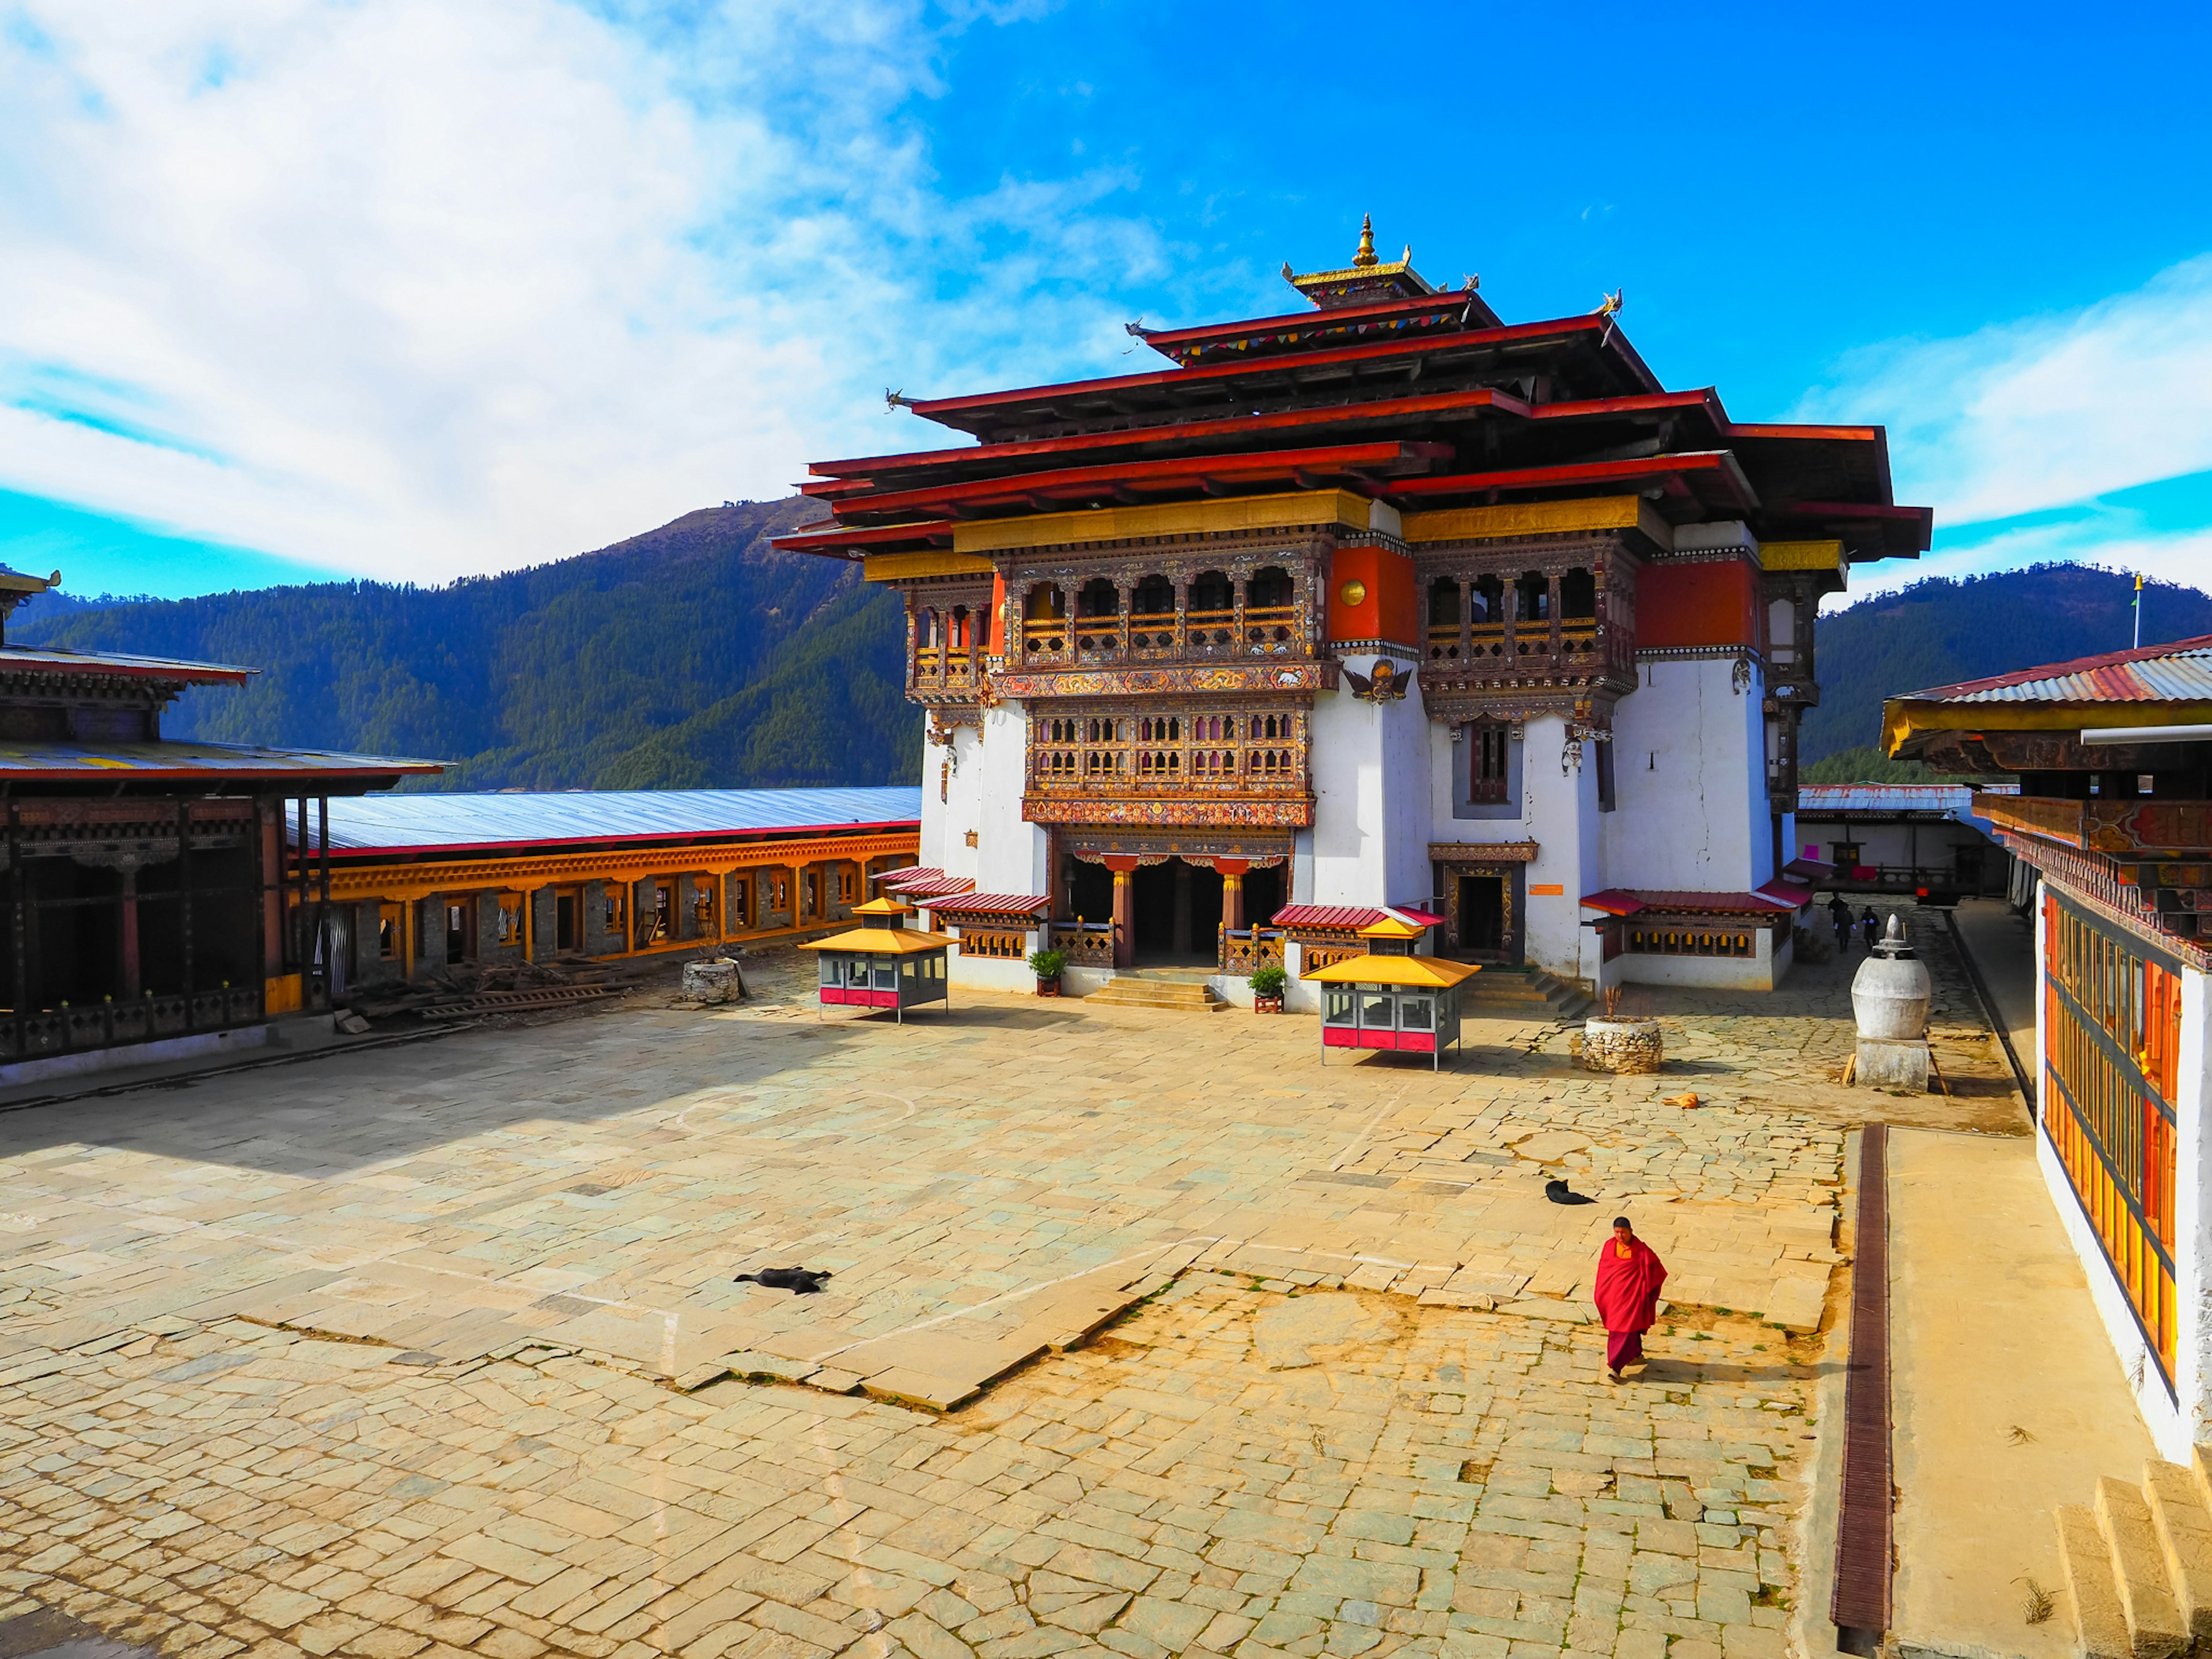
(1368, 277)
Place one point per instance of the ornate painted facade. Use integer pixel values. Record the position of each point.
(1383, 603)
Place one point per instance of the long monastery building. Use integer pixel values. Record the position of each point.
(1385, 603)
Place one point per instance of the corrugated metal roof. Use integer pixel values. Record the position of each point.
(1815, 799)
(1627, 902)
(78, 762)
(2180, 672)
(1348, 917)
(55, 658)
(410, 822)
(1787, 892)
(993, 904)
(936, 885)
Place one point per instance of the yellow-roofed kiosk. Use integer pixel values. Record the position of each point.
(1390, 998)
(881, 964)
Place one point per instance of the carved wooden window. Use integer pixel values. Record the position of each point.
(1489, 754)
(1171, 748)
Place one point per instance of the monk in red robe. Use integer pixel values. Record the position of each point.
(1626, 1291)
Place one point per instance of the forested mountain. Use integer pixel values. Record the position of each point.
(694, 656)
(1940, 632)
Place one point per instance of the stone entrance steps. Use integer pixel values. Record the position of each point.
(1524, 993)
(2139, 1563)
(1142, 991)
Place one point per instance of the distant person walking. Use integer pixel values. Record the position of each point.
(1841, 914)
(1627, 1292)
(1870, 928)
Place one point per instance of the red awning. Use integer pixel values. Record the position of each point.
(933, 887)
(1347, 917)
(1789, 892)
(993, 904)
(912, 873)
(1426, 917)
(1613, 901)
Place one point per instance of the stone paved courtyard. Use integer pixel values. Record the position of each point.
(1148, 1333)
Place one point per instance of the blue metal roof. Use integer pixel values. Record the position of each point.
(413, 822)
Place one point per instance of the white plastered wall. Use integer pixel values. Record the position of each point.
(1689, 770)
(1010, 857)
(951, 802)
(1370, 766)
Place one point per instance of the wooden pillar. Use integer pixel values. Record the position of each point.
(1233, 891)
(1125, 909)
(132, 980)
(1182, 940)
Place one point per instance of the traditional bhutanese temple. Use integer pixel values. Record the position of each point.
(1379, 604)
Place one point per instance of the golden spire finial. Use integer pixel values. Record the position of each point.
(1366, 255)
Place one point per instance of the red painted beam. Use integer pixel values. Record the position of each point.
(1166, 339)
(1717, 465)
(934, 533)
(1418, 345)
(1382, 409)
(1077, 483)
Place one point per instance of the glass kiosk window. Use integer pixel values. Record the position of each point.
(1417, 1013)
(1339, 1007)
(1375, 1011)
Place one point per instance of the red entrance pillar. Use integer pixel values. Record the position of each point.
(1125, 907)
(1233, 891)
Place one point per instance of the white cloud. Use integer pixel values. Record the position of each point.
(443, 286)
(2044, 413)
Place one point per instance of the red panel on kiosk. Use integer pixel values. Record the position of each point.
(832, 994)
(1709, 602)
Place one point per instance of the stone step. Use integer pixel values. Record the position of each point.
(2100, 1628)
(2185, 1534)
(1125, 992)
(1537, 994)
(2155, 1626)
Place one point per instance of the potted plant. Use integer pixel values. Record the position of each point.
(1267, 985)
(1620, 1043)
(1047, 965)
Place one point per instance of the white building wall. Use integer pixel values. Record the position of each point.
(1690, 780)
(1556, 801)
(946, 822)
(1010, 856)
(1371, 765)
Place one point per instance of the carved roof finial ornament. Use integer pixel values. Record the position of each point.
(1368, 279)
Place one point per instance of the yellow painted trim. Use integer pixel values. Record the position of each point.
(896, 567)
(1429, 973)
(1803, 556)
(397, 882)
(1468, 524)
(1903, 719)
(1115, 523)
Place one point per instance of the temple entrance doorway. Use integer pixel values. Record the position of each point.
(1482, 916)
(1177, 914)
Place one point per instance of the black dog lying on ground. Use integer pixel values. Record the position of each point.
(1558, 1193)
(799, 1281)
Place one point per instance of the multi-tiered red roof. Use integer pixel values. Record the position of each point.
(1417, 397)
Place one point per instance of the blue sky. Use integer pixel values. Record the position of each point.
(300, 287)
